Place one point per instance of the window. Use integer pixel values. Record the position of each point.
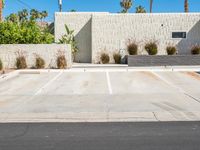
(179, 35)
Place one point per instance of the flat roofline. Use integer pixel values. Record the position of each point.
(168, 13)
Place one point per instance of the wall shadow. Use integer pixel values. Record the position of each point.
(84, 39)
(193, 38)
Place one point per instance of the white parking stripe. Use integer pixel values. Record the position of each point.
(108, 82)
(48, 83)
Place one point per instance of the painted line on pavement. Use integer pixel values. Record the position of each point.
(176, 87)
(109, 83)
(48, 83)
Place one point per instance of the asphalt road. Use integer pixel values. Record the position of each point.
(101, 136)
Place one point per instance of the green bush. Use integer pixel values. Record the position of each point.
(23, 33)
(21, 60)
(39, 62)
(171, 50)
(61, 60)
(151, 48)
(105, 58)
(117, 58)
(69, 38)
(195, 50)
(22, 28)
(132, 48)
(1, 65)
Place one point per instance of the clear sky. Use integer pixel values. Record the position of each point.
(97, 5)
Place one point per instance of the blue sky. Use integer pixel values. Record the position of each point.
(96, 5)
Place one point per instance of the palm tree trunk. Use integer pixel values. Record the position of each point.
(186, 6)
(151, 5)
(1, 9)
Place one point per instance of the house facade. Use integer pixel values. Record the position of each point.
(97, 32)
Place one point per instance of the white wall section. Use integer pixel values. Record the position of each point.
(48, 52)
(96, 32)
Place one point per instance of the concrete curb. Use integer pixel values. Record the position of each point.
(99, 117)
(10, 75)
(15, 73)
(105, 69)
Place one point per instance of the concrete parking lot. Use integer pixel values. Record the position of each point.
(100, 96)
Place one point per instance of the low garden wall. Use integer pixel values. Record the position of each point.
(8, 54)
(164, 60)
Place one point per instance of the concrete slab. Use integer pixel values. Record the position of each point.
(185, 82)
(138, 82)
(25, 84)
(76, 83)
(100, 96)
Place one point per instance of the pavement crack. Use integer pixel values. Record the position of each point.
(190, 96)
(155, 116)
(21, 134)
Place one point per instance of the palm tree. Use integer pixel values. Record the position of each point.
(23, 15)
(34, 14)
(2, 2)
(43, 15)
(1, 7)
(151, 6)
(186, 6)
(140, 9)
(126, 5)
(13, 18)
(72, 10)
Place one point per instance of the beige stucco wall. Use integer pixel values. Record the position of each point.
(110, 32)
(47, 51)
(81, 24)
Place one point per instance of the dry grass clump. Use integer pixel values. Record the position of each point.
(21, 60)
(117, 58)
(39, 62)
(171, 50)
(195, 50)
(151, 48)
(61, 60)
(132, 48)
(105, 58)
(1, 65)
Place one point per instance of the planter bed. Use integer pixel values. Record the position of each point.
(163, 60)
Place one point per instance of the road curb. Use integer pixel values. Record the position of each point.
(98, 117)
(9, 75)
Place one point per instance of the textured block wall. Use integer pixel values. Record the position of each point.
(112, 31)
(81, 24)
(48, 52)
(97, 32)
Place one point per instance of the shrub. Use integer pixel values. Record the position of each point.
(61, 60)
(39, 62)
(117, 57)
(132, 48)
(171, 50)
(105, 58)
(21, 29)
(21, 60)
(151, 48)
(195, 50)
(1, 65)
(69, 38)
